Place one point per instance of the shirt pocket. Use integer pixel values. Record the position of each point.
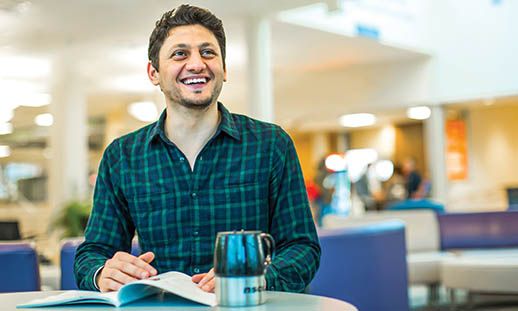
(155, 217)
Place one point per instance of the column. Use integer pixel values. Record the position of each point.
(68, 167)
(260, 75)
(435, 142)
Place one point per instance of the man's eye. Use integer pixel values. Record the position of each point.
(179, 54)
(208, 53)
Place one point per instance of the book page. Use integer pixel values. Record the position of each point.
(73, 297)
(174, 282)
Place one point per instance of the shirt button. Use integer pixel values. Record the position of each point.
(182, 159)
(195, 233)
(201, 158)
(193, 195)
(196, 270)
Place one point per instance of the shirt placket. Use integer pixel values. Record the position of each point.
(198, 213)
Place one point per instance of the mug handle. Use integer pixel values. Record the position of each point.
(270, 247)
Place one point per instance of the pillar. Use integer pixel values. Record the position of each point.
(435, 142)
(260, 75)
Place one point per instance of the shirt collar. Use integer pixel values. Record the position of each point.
(227, 125)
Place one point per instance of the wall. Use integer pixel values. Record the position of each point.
(474, 48)
(493, 154)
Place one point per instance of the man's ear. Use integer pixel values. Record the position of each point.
(225, 75)
(152, 73)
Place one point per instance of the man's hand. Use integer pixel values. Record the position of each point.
(124, 268)
(205, 281)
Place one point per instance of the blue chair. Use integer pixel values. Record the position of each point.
(68, 253)
(19, 270)
(365, 266)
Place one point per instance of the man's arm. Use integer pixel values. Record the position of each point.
(109, 231)
(297, 251)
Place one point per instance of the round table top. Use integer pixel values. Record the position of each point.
(275, 301)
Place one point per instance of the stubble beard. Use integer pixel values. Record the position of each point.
(199, 105)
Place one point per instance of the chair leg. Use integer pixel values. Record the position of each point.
(452, 301)
(470, 302)
(433, 294)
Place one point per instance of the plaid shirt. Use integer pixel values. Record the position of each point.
(246, 177)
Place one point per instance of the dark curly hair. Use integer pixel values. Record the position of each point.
(184, 15)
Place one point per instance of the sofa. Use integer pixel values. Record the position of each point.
(438, 242)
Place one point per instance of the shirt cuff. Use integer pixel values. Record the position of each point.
(95, 278)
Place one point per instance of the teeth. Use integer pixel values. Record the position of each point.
(196, 80)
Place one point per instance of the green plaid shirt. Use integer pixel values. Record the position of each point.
(246, 177)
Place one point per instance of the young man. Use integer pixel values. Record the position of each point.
(195, 172)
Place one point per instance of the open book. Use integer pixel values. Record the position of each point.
(173, 282)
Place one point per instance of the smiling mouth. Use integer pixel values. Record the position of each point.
(195, 81)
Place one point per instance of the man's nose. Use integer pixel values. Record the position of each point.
(196, 63)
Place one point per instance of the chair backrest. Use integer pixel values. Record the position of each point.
(68, 253)
(19, 270)
(479, 230)
(416, 204)
(422, 228)
(365, 266)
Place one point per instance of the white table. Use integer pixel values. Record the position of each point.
(275, 301)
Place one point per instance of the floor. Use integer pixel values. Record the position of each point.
(419, 296)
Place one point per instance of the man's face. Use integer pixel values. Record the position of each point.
(190, 69)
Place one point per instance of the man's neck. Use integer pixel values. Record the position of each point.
(190, 129)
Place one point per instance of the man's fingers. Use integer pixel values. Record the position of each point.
(209, 286)
(147, 257)
(108, 285)
(198, 277)
(208, 277)
(118, 276)
(131, 265)
(136, 269)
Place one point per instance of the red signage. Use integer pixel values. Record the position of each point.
(456, 150)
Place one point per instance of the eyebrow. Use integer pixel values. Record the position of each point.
(183, 45)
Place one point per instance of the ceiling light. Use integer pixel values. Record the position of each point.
(335, 162)
(384, 170)
(6, 113)
(24, 67)
(44, 119)
(6, 128)
(418, 113)
(144, 111)
(35, 100)
(5, 151)
(357, 120)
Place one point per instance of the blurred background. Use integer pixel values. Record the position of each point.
(393, 90)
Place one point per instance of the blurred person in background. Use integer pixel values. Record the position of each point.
(412, 177)
(369, 189)
(396, 187)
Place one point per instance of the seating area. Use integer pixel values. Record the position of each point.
(361, 263)
(476, 252)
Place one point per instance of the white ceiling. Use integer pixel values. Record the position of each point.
(105, 40)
